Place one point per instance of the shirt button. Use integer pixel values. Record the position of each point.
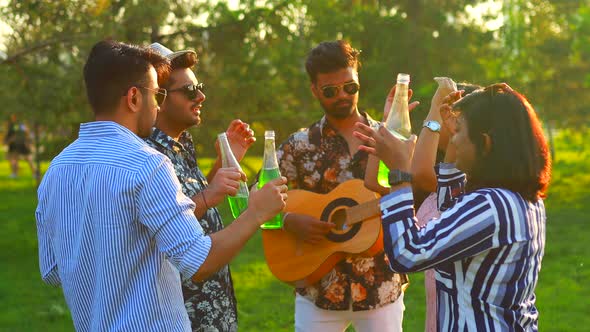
(422, 250)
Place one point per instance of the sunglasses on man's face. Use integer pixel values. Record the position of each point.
(191, 91)
(330, 91)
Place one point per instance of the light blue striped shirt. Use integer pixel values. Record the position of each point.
(486, 249)
(115, 230)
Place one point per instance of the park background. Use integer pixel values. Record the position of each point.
(252, 56)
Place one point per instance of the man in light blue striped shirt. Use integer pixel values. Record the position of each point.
(114, 228)
(488, 244)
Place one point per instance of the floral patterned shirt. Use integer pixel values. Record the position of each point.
(211, 304)
(317, 159)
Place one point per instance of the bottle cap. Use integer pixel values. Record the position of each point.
(403, 78)
(269, 134)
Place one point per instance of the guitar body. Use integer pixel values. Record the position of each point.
(299, 263)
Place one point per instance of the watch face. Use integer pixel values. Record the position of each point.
(432, 125)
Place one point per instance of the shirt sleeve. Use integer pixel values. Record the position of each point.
(286, 157)
(465, 230)
(451, 185)
(47, 261)
(169, 217)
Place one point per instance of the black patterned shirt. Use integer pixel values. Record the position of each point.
(318, 159)
(211, 305)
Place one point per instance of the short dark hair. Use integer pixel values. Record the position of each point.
(113, 67)
(331, 56)
(519, 158)
(184, 61)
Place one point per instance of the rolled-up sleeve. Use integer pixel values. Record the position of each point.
(169, 216)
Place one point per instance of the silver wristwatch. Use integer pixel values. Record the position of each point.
(434, 126)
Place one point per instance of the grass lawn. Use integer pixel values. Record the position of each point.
(264, 304)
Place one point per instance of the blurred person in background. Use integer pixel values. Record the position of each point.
(18, 142)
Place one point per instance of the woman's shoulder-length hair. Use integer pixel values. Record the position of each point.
(519, 158)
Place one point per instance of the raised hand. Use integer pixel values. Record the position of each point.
(266, 202)
(389, 102)
(449, 120)
(395, 153)
(225, 182)
(240, 138)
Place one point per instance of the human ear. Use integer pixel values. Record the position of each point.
(133, 99)
(314, 90)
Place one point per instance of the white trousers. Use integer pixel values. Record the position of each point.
(309, 318)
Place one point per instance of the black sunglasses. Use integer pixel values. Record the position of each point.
(191, 90)
(330, 91)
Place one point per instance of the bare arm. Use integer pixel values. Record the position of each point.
(225, 182)
(422, 169)
(225, 244)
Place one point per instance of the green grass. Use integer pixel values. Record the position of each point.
(264, 304)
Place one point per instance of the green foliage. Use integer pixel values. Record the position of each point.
(252, 55)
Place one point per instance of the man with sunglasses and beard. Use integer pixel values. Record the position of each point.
(362, 291)
(211, 304)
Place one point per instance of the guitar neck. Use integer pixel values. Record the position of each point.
(363, 211)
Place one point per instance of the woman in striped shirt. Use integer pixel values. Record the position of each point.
(487, 245)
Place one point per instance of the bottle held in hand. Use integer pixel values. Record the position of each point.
(270, 171)
(398, 121)
(239, 202)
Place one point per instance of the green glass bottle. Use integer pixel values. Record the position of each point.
(239, 202)
(270, 171)
(398, 121)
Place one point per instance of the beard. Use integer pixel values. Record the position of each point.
(340, 109)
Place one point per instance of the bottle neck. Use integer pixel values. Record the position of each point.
(227, 156)
(270, 156)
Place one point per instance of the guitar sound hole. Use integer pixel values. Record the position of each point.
(335, 212)
(339, 218)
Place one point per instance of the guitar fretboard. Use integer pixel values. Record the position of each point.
(358, 213)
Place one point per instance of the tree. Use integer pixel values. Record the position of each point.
(252, 55)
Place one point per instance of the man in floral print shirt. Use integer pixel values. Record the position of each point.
(211, 304)
(359, 290)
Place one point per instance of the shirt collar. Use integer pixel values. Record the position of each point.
(185, 140)
(97, 129)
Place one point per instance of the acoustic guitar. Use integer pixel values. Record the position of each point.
(355, 211)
